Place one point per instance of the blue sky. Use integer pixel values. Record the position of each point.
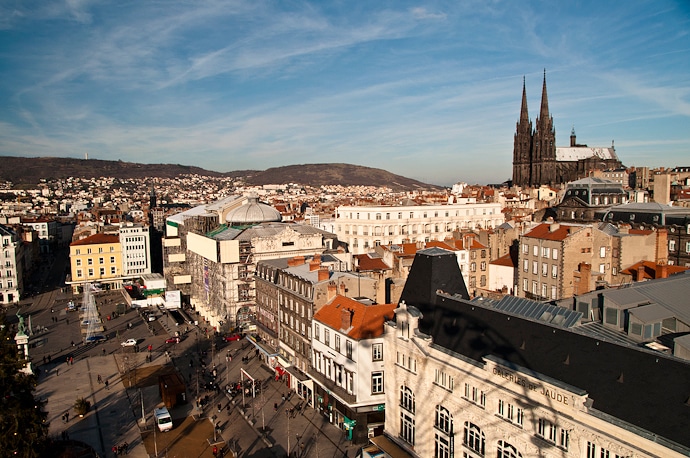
(428, 90)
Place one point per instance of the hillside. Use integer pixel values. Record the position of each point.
(28, 171)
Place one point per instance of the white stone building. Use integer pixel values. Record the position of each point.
(136, 249)
(364, 227)
(348, 364)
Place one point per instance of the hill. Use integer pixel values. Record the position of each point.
(28, 171)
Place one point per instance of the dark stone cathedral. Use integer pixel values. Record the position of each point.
(538, 161)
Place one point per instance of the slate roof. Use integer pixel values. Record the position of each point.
(366, 322)
(644, 388)
(433, 269)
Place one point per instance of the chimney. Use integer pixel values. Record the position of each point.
(345, 319)
(343, 290)
(661, 270)
(640, 272)
(323, 274)
(332, 290)
(314, 264)
(554, 227)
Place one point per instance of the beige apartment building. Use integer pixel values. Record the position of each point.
(365, 227)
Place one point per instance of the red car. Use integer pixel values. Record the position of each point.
(232, 337)
(172, 340)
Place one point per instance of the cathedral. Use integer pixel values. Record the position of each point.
(538, 161)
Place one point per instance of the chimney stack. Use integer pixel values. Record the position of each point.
(640, 272)
(332, 290)
(323, 274)
(314, 264)
(345, 319)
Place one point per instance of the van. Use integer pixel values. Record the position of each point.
(163, 419)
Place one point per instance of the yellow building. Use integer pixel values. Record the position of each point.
(96, 259)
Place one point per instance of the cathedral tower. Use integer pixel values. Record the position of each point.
(534, 151)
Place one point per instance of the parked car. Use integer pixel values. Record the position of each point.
(172, 340)
(129, 343)
(232, 337)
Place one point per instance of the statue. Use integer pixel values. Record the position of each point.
(20, 327)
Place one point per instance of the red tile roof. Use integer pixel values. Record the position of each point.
(544, 231)
(97, 239)
(651, 270)
(506, 260)
(366, 262)
(367, 320)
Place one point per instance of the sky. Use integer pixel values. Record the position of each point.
(430, 90)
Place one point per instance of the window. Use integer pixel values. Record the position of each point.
(376, 382)
(554, 253)
(113, 270)
(671, 245)
(442, 446)
(79, 273)
(525, 284)
(525, 265)
(337, 343)
(475, 395)
(535, 250)
(101, 260)
(546, 430)
(525, 248)
(78, 262)
(474, 438)
(510, 412)
(348, 349)
(407, 401)
(377, 352)
(89, 261)
(554, 271)
(101, 271)
(327, 337)
(443, 379)
(112, 259)
(90, 272)
(602, 252)
(444, 420)
(535, 267)
(545, 252)
(407, 414)
(505, 450)
(317, 334)
(544, 269)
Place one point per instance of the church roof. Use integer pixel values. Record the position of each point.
(576, 153)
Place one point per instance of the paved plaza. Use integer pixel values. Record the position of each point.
(121, 409)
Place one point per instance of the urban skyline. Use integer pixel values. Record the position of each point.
(427, 90)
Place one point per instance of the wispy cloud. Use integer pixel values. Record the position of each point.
(424, 89)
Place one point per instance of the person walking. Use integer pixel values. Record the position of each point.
(100, 379)
(106, 385)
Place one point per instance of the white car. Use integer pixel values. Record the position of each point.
(129, 343)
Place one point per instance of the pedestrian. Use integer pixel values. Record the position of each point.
(106, 385)
(114, 449)
(44, 359)
(104, 352)
(72, 343)
(57, 371)
(275, 406)
(100, 379)
(67, 416)
(125, 446)
(71, 361)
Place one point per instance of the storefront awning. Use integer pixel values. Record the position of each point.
(389, 447)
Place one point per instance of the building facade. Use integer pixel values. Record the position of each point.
(96, 259)
(442, 401)
(136, 250)
(348, 365)
(363, 228)
(12, 273)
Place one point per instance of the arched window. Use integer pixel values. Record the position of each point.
(407, 429)
(444, 430)
(444, 420)
(505, 450)
(407, 399)
(474, 438)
